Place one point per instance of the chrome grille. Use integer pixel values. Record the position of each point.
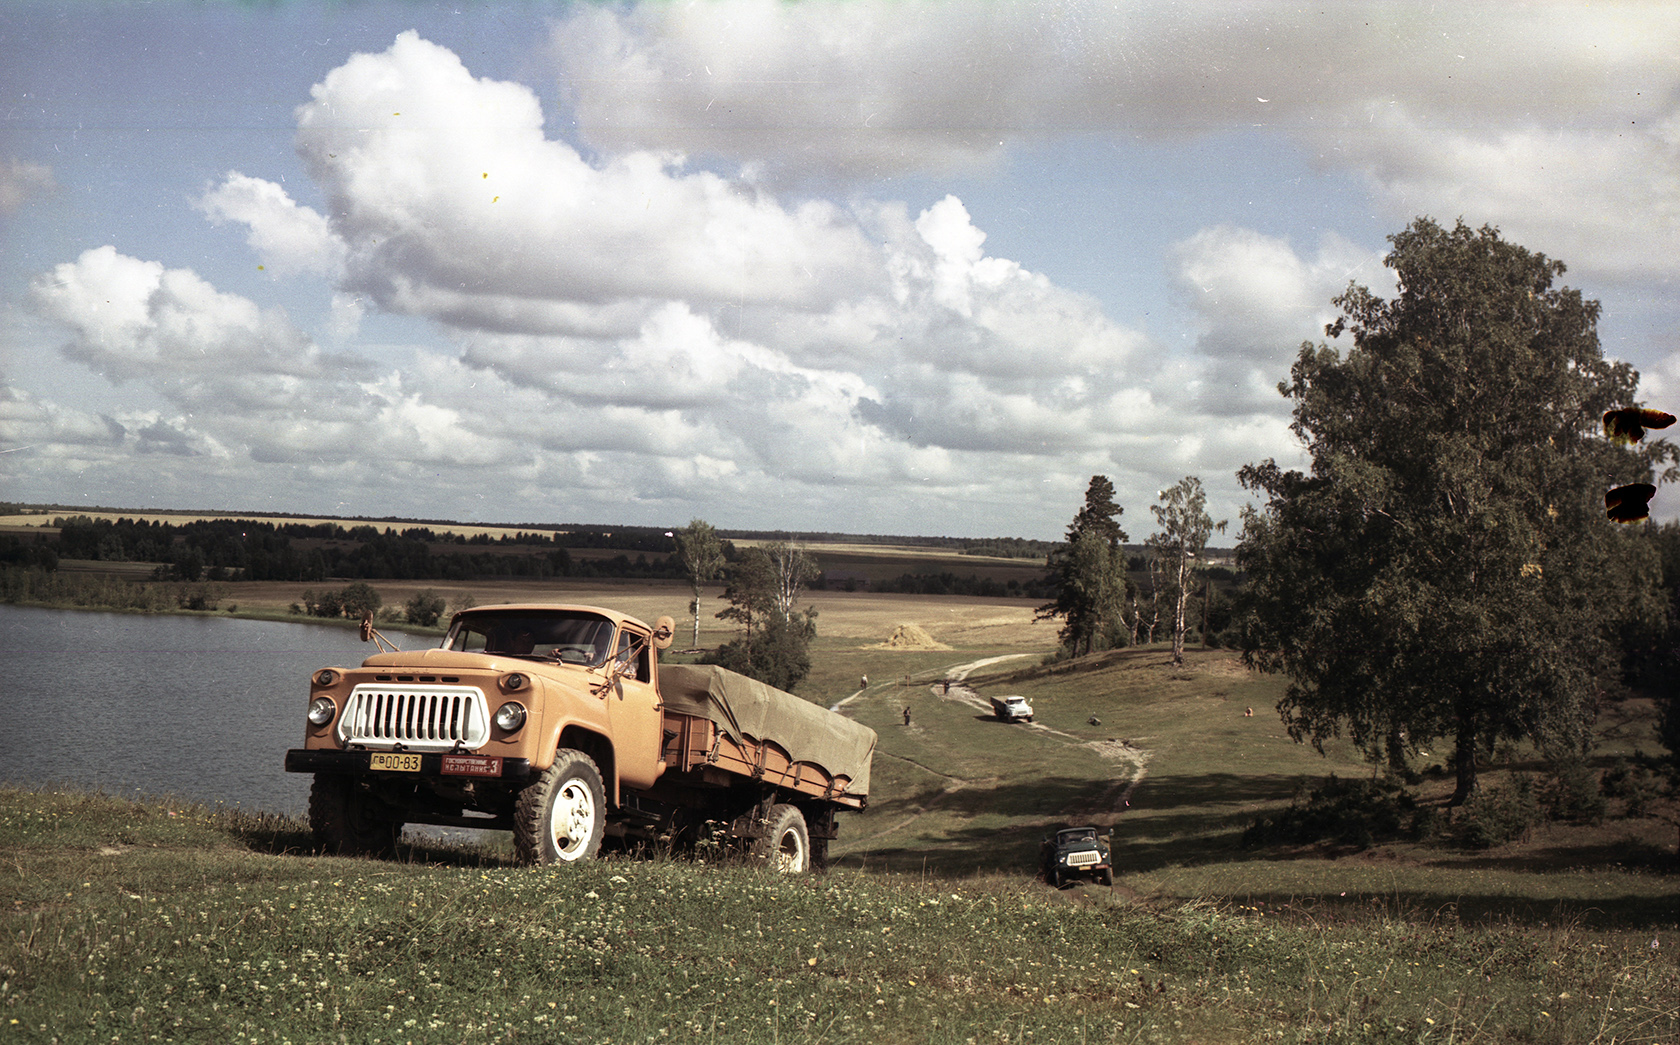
(1084, 859)
(420, 718)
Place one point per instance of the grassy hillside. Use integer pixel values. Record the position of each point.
(165, 921)
(158, 921)
(1171, 760)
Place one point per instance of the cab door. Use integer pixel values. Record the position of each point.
(633, 710)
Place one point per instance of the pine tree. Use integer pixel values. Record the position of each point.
(1089, 571)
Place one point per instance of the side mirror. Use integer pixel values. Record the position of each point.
(664, 629)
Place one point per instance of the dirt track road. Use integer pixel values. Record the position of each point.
(1129, 762)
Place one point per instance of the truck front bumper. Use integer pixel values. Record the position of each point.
(432, 764)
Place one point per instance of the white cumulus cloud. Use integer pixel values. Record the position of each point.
(288, 237)
(134, 318)
(1255, 300)
(455, 206)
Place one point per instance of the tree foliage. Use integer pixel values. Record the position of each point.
(701, 552)
(777, 653)
(1185, 529)
(1654, 652)
(1445, 570)
(424, 608)
(1089, 572)
(763, 588)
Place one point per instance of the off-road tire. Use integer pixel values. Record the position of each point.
(1055, 879)
(785, 846)
(346, 821)
(560, 818)
(1107, 877)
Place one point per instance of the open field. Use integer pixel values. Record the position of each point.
(849, 618)
(878, 562)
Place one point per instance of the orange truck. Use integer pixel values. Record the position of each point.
(558, 723)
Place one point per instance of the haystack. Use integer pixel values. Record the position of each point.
(911, 636)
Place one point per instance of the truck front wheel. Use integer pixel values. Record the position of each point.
(786, 844)
(560, 818)
(346, 820)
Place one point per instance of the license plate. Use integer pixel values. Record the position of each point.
(472, 765)
(395, 761)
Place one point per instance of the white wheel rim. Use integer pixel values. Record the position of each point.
(573, 820)
(790, 853)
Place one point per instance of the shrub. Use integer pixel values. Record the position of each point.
(1573, 794)
(198, 597)
(360, 600)
(424, 608)
(1496, 815)
(778, 654)
(1633, 784)
(356, 601)
(1347, 812)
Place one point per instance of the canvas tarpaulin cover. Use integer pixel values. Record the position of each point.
(747, 709)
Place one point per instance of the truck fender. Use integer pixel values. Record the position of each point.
(596, 746)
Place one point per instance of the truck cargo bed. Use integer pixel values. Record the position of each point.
(718, 721)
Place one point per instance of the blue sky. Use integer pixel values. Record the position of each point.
(884, 267)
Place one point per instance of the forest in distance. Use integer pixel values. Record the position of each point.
(261, 548)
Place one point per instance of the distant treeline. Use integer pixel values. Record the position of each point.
(650, 539)
(244, 549)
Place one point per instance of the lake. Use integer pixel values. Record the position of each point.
(199, 707)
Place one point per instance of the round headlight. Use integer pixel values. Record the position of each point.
(321, 710)
(514, 682)
(510, 716)
(326, 677)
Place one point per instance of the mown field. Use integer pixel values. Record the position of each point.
(166, 921)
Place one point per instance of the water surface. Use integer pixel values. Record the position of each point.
(199, 707)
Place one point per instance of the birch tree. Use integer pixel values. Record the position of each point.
(701, 552)
(1179, 544)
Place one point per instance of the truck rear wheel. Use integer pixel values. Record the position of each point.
(560, 818)
(786, 844)
(346, 820)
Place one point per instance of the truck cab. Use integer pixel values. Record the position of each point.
(453, 734)
(1076, 852)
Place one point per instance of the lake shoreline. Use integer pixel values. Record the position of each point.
(269, 616)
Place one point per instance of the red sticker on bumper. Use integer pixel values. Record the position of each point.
(472, 765)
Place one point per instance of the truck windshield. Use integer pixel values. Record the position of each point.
(573, 638)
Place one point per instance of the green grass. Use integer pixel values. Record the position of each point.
(156, 921)
(963, 792)
(168, 921)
